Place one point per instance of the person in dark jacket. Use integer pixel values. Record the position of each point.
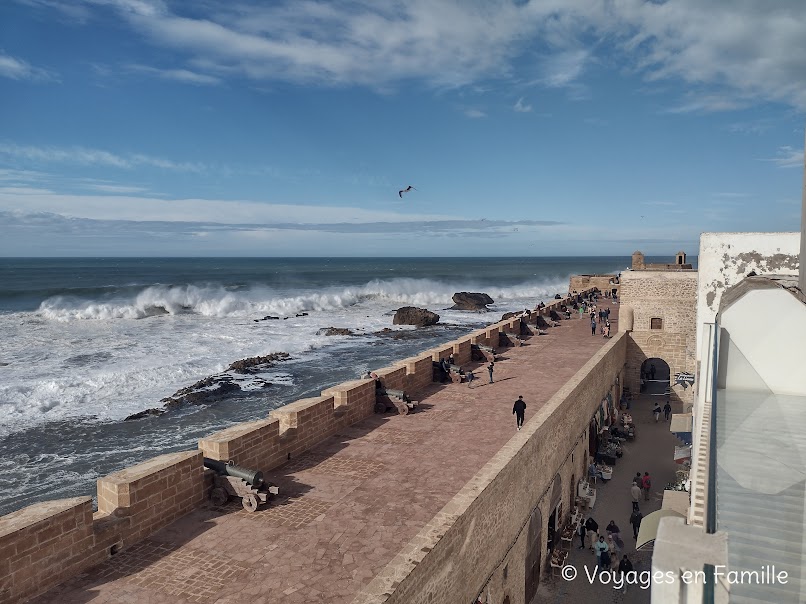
(635, 520)
(582, 531)
(491, 368)
(519, 409)
(624, 567)
(667, 410)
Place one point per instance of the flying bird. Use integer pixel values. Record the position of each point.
(406, 190)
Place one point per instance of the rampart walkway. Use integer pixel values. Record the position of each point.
(347, 506)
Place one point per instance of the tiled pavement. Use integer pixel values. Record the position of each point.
(652, 451)
(346, 507)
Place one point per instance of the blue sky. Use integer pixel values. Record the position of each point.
(559, 127)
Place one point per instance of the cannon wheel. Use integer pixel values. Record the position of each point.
(219, 496)
(380, 407)
(249, 502)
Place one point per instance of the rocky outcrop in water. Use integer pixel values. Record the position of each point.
(209, 390)
(258, 364)
(411, 315)
(335, 331)
(143, 414)
(471, 301)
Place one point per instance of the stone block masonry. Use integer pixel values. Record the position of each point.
(669, 297)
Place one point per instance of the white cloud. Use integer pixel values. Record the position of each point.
(84, 156)
(522, 107)
(475, 113)
(17, 69)
(788, 157)
(728, 53)
(179, 75)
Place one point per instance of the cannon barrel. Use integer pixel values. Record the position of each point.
(253, 477)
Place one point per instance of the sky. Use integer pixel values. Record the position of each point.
(529, 128)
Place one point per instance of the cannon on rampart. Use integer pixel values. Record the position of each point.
(233, 481)
(387, 399)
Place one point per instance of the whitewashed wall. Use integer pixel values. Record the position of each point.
(726, 258)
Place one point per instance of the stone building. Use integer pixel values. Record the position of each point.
(658, 312)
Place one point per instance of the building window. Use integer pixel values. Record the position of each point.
(656, 323)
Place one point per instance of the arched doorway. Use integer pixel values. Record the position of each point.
(656, 375)
(535, 545)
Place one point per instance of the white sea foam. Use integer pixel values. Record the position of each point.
(62, 365)
(217, 301)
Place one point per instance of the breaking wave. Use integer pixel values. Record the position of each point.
(218, 301)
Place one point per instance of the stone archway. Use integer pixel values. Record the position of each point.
(658, 382)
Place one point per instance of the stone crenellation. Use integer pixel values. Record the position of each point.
(52, 541)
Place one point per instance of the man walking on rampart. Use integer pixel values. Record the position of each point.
(593, 326)
(490, 368)
(519, 409)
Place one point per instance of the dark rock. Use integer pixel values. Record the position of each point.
(302, 314)
(509, 315)
(410, 315)
(470, 301)
(335, 331)
(256, 364)
(201, 393)
(146, 413)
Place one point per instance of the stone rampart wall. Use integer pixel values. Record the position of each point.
(580, 283)
(53, 541)
(453, 557)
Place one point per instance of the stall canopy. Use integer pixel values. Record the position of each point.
(649, 527)
(681, 426)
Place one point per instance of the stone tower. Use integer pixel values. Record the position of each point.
(680, 258)
(638, 263)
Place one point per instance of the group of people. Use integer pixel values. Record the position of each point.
(604, 321)
(667, 410)
(607, 552)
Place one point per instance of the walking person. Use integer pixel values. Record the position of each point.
(613, 550)
(625, 567)
(581, 531)
(490, 368)
(667, 410)
(635, 492)
(635, 520)
(593, 325)
(646, 484)
(602, 552)
(470, 377)
(593, 530)
(519, 409)
(656, 411)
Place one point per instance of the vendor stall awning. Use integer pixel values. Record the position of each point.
(682, 454)
(681, 426)
(649, 527)
(676, 501)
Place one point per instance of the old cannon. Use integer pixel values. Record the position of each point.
(480, 351)
(387, 399)
(233, 481)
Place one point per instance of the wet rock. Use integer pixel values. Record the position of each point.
(411, 315)
(335, 331)
(146, 413)
(470, 301)
(257, 364)
(209, 390)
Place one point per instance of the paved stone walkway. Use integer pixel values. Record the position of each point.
(652, 451)
(347, 506)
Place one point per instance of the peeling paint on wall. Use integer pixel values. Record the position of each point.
(726, 258)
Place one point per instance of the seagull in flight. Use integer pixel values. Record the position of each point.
(406, 190)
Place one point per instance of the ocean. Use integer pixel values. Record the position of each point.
(85, 343)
